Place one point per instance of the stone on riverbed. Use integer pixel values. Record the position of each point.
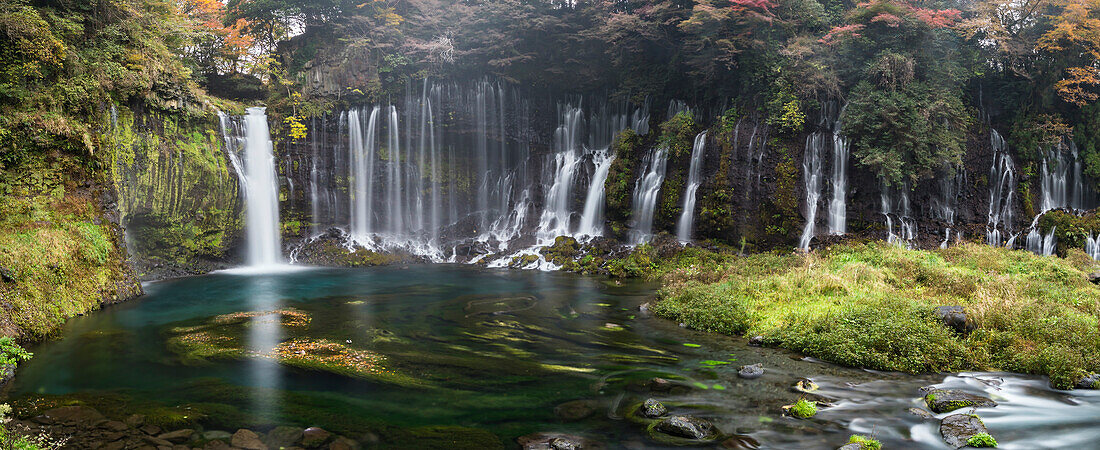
(314, 437)
(653, 409)
(751, 371)
(576, 410)
(247, 439)
(956, 429)
(947, 400)
(687, 427)
(556, 441)
(178, 436)
(283, 436)
(921, 413)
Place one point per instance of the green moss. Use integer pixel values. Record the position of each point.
(981, 440)
(803, 409)
(620, 180)
(865, 443)
(870, 305)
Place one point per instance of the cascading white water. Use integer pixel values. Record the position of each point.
(945, 206)
(646, 191)
(899, 210)
(1039, 244)
(556, 212)
(592, 218)
(362, 145)
(812, 175)
(259, 184)
(695, 178)
(1002, 190)
(1061, 181)
(1092, 246)
(838, 208)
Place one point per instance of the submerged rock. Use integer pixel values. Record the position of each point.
(283, 436)
(247, 439)
(314, 437)
(576, 410)
(957, 429)
(653, 409)
(947, 400)
(751, 371)
(805, 386)
(556, 441)
(687, 427)
(178, 436)
(921, 413)
(954, 317)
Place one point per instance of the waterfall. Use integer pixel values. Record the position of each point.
(556, 213)
(1061, 181)
(1002, 190)
(838, 212)
(592, 218)
(362, 148)
(1092, 246)
(695, 178)
(812, 174)
(259, 184)
(1040, 244)
(646, 191)
(899, 210)
(946, 205)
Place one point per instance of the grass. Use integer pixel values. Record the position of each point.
(871, 305)
(865, 443)
(981, 440)
(804, 409)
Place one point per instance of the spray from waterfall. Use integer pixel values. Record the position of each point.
(695, 178)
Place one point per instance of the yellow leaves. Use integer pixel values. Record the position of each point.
(298, 130)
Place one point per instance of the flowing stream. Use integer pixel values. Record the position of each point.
(387, 353)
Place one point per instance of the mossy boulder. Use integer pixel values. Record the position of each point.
(958, 429)
(947, 400)
(676, 429)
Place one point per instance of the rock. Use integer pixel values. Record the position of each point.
(805, 386)
(563, 444)
(178, 436)
(81, 415)
(956, 429)
(947, 400)
(576, 410)
(151, 430)
(217, 434)
(756, 341)
(659, 384)
(136, 420)
(687, 427)
(313, 437)
(115, 425)
(921, 413)
(1094, 278)
(216, 445)
(156, 441)
(556, 441)
(283, 436)
(6, 275)
(752, 371)
(343, 443)
(247, 439)
(1090, 381)
(954, 317)
(852, 446)
(653, 409)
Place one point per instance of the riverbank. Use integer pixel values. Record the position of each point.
(874, 305)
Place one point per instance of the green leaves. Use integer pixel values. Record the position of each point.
(12, 353)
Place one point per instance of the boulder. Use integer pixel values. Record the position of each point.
(178, 436)
(852, 446)
(6, 275)
(1094, 278)
(216, 445)
(751, 371)
(313, 437)
(653, 409)
(136, 420)
(283, 436)
(658, 384)
(151, 430)
(114, 425)
(687, 427)
(576, 410)
(956, 429)
(247, 439)
(756, 341)
(954, 317)
(217, 435)
(1090, 381)
(947, 400)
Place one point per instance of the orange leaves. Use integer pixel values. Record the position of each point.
(838, 34)
(1075, 88)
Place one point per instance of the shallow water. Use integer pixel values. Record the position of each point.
(493, 350)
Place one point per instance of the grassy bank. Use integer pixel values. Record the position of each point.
(871, 305)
